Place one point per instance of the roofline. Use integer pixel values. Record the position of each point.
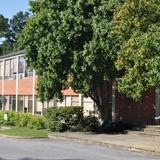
(12, 54)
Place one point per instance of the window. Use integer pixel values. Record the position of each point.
(7, 69)
(1, 70)
(13, 103)
(75, 100)
(13, 68)
(20, 104)
(30, 104)
(29, 72)
(21, 65)
(5, 101)
(1, 100)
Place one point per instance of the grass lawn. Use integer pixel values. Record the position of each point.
(25, 132)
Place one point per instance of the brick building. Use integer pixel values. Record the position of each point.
(18, 92)
(18, 88)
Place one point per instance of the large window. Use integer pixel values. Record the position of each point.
(29, 72)
(21, 65)
(30, 104)
(1, 100)
(13, 103)
(23, 70)
(1, 69)
(7, 69)
(13, 68)
(75, 100)
(20, 104)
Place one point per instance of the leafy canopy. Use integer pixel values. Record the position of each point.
(10, 29)
(137, 26)
(68, 43)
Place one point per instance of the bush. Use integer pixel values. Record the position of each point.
(1, 118)
(64, 118)
(19, 119)
(91, 123)
(36, 122)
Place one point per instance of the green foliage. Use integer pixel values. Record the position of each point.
(19, 119)
(36, 122)
(137, 25)
(68, 43)
(64, 118)
(10, 29)
(1, 118)
(91, 123)
(3, 25)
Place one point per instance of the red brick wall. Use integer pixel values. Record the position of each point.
(25, 86)
(9, 87)
(142, 112)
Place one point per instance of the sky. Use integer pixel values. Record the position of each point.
(8, 8)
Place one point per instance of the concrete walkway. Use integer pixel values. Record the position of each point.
(131, 141)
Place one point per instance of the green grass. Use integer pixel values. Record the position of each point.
(25, 132)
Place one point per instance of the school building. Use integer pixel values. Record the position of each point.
(18, 93)
(18, 88)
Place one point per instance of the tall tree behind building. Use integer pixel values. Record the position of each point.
(10, 29)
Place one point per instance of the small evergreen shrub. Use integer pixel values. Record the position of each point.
(64, 118)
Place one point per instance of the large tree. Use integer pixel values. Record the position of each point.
(10, 29)
(69, 44)
(137, 25)
(3, 29)
(3, 25)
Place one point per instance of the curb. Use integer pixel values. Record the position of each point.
(104, 144)
(21, 137)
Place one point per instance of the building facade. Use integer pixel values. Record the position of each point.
(18, 93)
(18, 88)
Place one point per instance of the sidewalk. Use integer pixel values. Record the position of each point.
(131, 141)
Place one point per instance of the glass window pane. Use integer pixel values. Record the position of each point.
(75, 100)
(7, 69)
(13, 65)
(1, 99)
(21, 65)
(29, 72)
(13, 103)
(30, 104)
(5, 101)
(20, 104)
(1, 70)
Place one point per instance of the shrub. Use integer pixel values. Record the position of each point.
(1, 118)
(36, 122)
(91, 123)
(64, 118)
(19, 119)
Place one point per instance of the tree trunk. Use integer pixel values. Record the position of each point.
(103, 100)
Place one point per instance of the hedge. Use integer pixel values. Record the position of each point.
(55, 119)
(64, 118)
(20, 119)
